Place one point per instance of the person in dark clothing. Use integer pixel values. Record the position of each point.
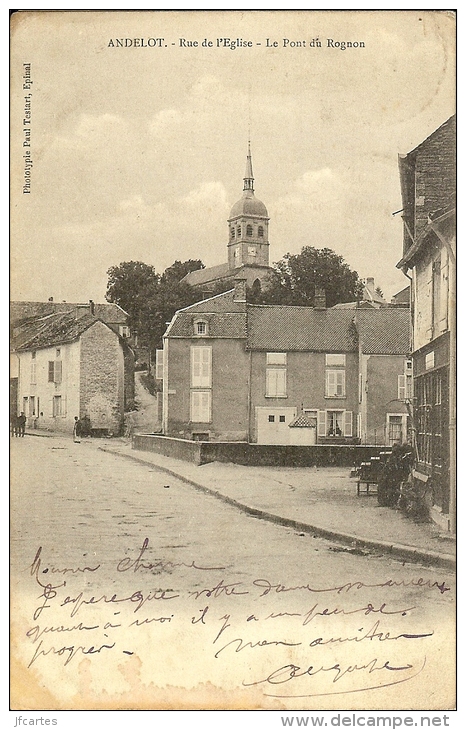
(21, 426)
(14, 424)
(77, 430)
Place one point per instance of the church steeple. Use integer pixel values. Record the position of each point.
(249, 175)
(248, 224)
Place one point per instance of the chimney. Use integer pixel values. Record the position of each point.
(240, 290)
(91, 307)
(320, 300)
(370, 284)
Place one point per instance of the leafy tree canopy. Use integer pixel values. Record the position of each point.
(296, 277)
(149, 298)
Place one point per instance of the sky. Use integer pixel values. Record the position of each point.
(138, 153)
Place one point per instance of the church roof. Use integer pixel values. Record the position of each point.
(249, 205)
(204, 276)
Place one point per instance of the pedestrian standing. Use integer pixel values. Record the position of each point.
(77, 430)
(14, 424)
(21, 428)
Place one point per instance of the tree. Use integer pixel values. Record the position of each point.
(149, 298)
(179, 269)
(130, 284)
(297, 276)
(379, 291)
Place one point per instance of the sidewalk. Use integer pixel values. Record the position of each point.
(319, 501)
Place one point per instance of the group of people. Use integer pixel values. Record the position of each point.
(18, 425)
(81, 427)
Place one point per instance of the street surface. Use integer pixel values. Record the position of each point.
(131, 589)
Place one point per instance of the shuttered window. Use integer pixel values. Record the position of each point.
(275, 382)
(275, 375)
(201, 406)
(159, 364)
(201, 367)
(348, 423)
(55, 371)
(335, 383)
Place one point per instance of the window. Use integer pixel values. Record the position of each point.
(335, 423)
(55, 371)
(58, 352)
(201, 367)
(159, 364)
(232, 232)
(251, 250)
(395, 429)
(201, 406)
(238, 231)
(361, 386)
(338, 423)
(405, 387)
(276, 358)
(275, 375)
(260, 231)
(33, 371)
(271, 418)
(436, 303)
(57, 406)
(281, 419)
(249, 230)
(200, 327)
(335, 379)
(335, 383)
(237, 252)
(335, 360)
(124, 331)
(430, 360)
(32, 405)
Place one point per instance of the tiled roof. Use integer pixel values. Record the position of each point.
(108, 312)
(303, 421)
(220, 303)
(384, 331)
(204, 276)
(300, 328)
(51, 330)
(220, 324)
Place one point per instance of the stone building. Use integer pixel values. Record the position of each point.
(70, 363)
(234, 371)
(428, 189)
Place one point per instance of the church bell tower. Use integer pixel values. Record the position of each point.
(248, 226)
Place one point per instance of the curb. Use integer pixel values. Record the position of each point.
(428, 558)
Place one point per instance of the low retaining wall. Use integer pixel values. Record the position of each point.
(203, 452)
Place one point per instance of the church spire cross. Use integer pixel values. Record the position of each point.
(248, 175)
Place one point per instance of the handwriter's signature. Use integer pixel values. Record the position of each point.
(290, 672)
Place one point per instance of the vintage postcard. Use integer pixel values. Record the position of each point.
(232, 383)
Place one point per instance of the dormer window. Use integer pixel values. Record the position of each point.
(260, 231)
(249, 230)
(200, 328)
